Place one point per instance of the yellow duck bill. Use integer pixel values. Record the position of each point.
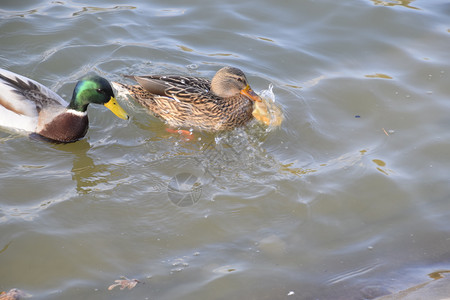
(116, 109)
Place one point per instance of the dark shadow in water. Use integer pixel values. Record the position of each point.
(84, 171)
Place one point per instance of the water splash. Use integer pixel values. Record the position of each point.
(267, 111)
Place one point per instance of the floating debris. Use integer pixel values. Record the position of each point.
(378, 75)
(14, 294)
(123, 282)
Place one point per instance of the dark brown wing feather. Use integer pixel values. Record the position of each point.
(184, 88)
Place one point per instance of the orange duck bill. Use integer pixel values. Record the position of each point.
(249, 93)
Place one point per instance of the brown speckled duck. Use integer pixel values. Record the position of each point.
(223, 103)
(29, 106)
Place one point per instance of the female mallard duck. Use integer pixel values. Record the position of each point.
(28, 105)
(223, 103)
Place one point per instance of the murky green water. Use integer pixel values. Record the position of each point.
(349, 199)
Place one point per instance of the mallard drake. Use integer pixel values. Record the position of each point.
(223, 103)
(28, 105)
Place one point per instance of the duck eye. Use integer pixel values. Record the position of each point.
(100, 91)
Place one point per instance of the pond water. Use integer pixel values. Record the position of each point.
(347, 199)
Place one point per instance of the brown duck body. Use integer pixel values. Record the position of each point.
(64, 125)
(224, 103)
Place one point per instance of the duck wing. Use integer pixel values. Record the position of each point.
(24, 96)
(180, 88)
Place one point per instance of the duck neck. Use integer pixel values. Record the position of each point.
(77, 102)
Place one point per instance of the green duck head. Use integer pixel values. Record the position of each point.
(97, 90)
